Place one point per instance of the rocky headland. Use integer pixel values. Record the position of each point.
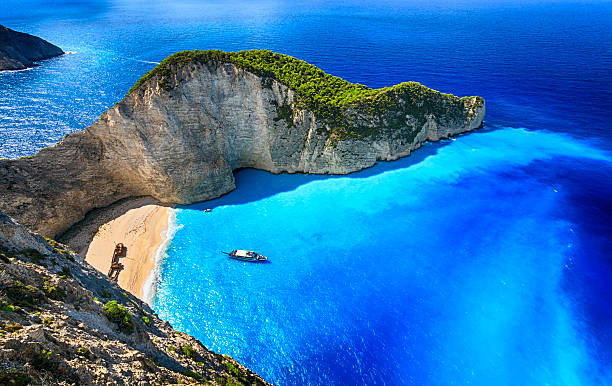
(19, 50)
(63, 322)
(188, 124)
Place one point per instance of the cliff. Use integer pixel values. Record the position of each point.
(19, 50)
(63, 322)
(186, 125)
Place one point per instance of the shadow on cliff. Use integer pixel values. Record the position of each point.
(254, 185)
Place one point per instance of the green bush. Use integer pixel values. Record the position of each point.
(83, 351)
(146, 320)
(52, 291)
(188, 351)
(192, 374)
(7, 307)
(117, 313)
(11, 326)
(43, 360)
(232, 369)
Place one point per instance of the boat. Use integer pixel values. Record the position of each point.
(240, 254)
(208, 210)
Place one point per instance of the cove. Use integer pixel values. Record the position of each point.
(467, 264)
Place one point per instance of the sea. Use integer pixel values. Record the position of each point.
(485, 259)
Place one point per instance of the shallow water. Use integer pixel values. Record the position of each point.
(483, 260)
(462, 267)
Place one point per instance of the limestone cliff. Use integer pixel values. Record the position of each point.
(19, 50)
(180, 133)
(63, 322)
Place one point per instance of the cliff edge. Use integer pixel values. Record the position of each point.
(63, 322)
(199, 115)
(19, 50)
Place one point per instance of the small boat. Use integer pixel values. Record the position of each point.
(243, 255)
(208, 210)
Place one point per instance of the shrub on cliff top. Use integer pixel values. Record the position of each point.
(326, 95)
(117, 313)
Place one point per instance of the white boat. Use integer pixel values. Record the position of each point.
(240, 254)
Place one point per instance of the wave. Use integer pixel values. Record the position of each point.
(13, 71)
(149, 288)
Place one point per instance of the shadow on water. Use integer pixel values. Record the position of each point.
(254, 185)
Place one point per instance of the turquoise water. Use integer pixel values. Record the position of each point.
(483, 260)
(449, 267)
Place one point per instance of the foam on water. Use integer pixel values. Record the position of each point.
(150, 287)
(447, 270)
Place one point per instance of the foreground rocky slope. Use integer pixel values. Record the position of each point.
(187, 125)
(19, 50)
(63, 322)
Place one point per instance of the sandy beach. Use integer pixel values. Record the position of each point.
(142, 230)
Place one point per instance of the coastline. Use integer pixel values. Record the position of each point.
(149, 287)
(143, 230)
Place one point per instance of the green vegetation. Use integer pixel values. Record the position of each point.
(14, 377)
(328, 96)
(9, 326)
(106, 294)
(7, 307)
(188, 351)
(23, 295)
(59, 248)
(192, 374)
(146, 320)
(232, 369)
(30, 254)
(83, 351)
(52, 291)
(134, 303)
(43, 361)
(228, 381)
(66, 272)
(117, 313)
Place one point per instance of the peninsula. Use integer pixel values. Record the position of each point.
(19, 50)
(176, 138)
(199, 115)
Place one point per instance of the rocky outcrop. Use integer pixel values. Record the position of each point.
(19, 50)
(63, 322)
(180, 134)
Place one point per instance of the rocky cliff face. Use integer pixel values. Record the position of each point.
(63, 322)
(19, 50)
(180, 144)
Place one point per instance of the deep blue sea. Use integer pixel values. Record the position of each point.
(486, 259)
